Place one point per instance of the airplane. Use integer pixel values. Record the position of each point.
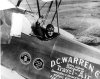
(62, 57)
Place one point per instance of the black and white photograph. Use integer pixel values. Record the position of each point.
(50, 39)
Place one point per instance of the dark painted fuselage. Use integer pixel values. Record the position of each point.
(46, 50)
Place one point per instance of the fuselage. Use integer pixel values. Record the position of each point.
(51, 53)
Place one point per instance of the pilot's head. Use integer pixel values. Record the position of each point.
(49, 30)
